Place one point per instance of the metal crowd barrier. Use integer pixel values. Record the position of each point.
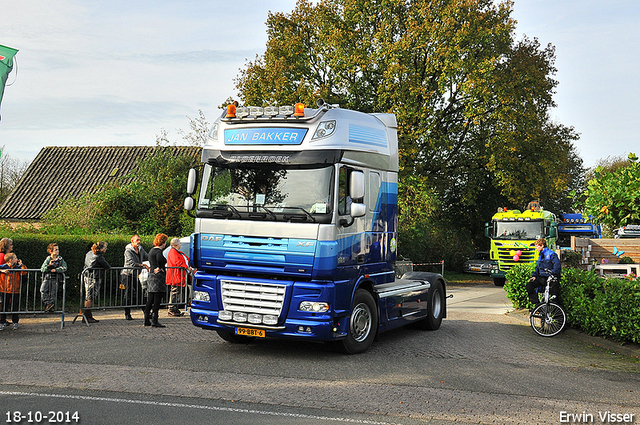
(405, 266)
(114, 292)
(29, 300)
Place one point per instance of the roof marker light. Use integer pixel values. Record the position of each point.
(299, 110)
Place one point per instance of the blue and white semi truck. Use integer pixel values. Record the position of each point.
(575, 224)
(296, 229)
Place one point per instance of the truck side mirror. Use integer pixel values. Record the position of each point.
(358, 210)
(356, 185)
(192, 180)
(189, 203)
(487, 230)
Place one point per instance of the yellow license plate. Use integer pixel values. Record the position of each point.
(251, 332)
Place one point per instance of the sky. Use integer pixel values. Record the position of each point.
(118, 73)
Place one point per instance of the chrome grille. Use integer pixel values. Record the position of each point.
(250, 297)
(506, 258)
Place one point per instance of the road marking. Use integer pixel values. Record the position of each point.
(196, 406)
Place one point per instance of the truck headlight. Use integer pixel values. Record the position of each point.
(201, 296)
(315, 307)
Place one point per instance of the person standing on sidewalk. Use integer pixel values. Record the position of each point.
(94, 268)
(53, 270)
(156, 284)
(10, 290)
(6, 246)
(134, 258)
(177, 271)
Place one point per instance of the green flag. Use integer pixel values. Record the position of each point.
(6, 65)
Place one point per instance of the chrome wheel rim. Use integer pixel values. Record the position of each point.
(436, 304)
(360, 324)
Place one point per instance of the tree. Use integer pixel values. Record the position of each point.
(530, 156)
(11, 171)
(163, 181)
(613, 196)
(471, 103)
(608, 164)
(197, 136)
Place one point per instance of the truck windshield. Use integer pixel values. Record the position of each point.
(267, 192)
(519, 230)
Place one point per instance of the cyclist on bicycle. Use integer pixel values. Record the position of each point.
(547, 260)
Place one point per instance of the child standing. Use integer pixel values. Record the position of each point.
(10, 289)
(53, 270)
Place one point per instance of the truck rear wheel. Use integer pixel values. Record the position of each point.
(363, 323)
(236, 339)
(436, 308)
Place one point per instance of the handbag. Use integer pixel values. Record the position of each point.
(143, 276)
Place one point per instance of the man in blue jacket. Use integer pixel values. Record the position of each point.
(547, 260)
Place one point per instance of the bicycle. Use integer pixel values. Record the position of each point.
(548, 318)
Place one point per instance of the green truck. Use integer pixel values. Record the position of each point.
(513, 234)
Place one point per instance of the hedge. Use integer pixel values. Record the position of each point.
(607, 307)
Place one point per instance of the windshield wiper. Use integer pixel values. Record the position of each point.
(224, 211)
(260, 215)
(304, 217)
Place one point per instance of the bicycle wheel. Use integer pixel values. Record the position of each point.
(548, 322)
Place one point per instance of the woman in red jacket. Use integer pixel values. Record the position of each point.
(177, 271)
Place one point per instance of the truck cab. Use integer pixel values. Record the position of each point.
(513, 234)
(296, 229)
(575, 224)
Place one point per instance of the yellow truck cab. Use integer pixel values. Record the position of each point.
(513, 234)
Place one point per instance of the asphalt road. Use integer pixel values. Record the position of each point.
(482, 366)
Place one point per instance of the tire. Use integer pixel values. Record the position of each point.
(363, 324)
(435, 310)
(548, 324)
(499, 281)
(236, 339)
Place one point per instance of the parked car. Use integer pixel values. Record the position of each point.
(480, 262)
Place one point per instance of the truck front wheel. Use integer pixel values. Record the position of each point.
(363, 323)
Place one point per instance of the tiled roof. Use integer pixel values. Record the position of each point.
(59, 172)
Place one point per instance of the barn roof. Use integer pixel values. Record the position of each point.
(62, 172)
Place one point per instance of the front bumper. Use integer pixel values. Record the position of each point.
(320, 329)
